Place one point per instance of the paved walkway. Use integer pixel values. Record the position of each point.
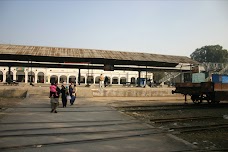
(88, 126)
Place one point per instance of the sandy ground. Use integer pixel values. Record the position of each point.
(9, 102)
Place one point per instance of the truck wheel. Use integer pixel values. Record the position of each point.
(216, 102)
(213, 100)
(210, 98)
(196, 99)
(210, 101)
(193, 98)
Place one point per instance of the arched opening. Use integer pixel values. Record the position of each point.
(109, 80)
(82, 79)
(9, 76)
(123, 80)
(1, 76)
(20, 76)
(31, 76)
(106, 81)
(40, 77)
(72, 79)
(97, 79)
(54, 78)
(115, 80)
(63, 78)
(133, 80)
(90, 79)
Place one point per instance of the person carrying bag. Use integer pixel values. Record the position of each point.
(73, 96)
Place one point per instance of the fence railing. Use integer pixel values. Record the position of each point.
(169, 76)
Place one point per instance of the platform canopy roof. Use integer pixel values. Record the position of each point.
(67, 56)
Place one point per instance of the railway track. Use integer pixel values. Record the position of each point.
(73, 126)
(170, 107)
(191, 122)
(186, 129)
(183, 119)
(149, 131)
(81, 132)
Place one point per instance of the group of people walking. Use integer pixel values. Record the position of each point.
(67, 93)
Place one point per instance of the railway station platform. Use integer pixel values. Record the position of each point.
(89, 92)
(89, 125)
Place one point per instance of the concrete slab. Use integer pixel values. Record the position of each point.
(84, 127)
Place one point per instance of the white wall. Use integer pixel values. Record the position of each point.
(48, 72)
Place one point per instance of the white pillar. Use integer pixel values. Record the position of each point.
(128, 78)
(94, 79)
(67, 81)
(4, 76)
(14, 75)
(36, 77)
(26, 77)
(58, 79)
(85, 79)
(110, 79)
(119, 80)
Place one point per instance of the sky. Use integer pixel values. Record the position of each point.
(170, 27)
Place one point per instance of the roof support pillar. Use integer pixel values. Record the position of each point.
(139, 78)
(31, 75)
(8, 79)
(79, 76)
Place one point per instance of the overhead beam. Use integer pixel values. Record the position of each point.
(99, 67)
(18, 57)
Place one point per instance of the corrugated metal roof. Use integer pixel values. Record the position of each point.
(90, 53)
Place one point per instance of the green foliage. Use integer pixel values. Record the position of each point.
(210, 53)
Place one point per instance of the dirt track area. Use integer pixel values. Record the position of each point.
(6, 103)
(9, 102)
(204, 125)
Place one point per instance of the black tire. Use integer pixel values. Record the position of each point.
(210, 101)
(216, 102)
(208, 98)
(196, 99)
(193, 98)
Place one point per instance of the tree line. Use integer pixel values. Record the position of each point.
(210, 53)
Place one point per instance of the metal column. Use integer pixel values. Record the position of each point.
(79, 76)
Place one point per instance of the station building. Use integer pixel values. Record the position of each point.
(88, 76)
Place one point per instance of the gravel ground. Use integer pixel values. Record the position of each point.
(9, 102)
(214, 138)
(6, 103)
